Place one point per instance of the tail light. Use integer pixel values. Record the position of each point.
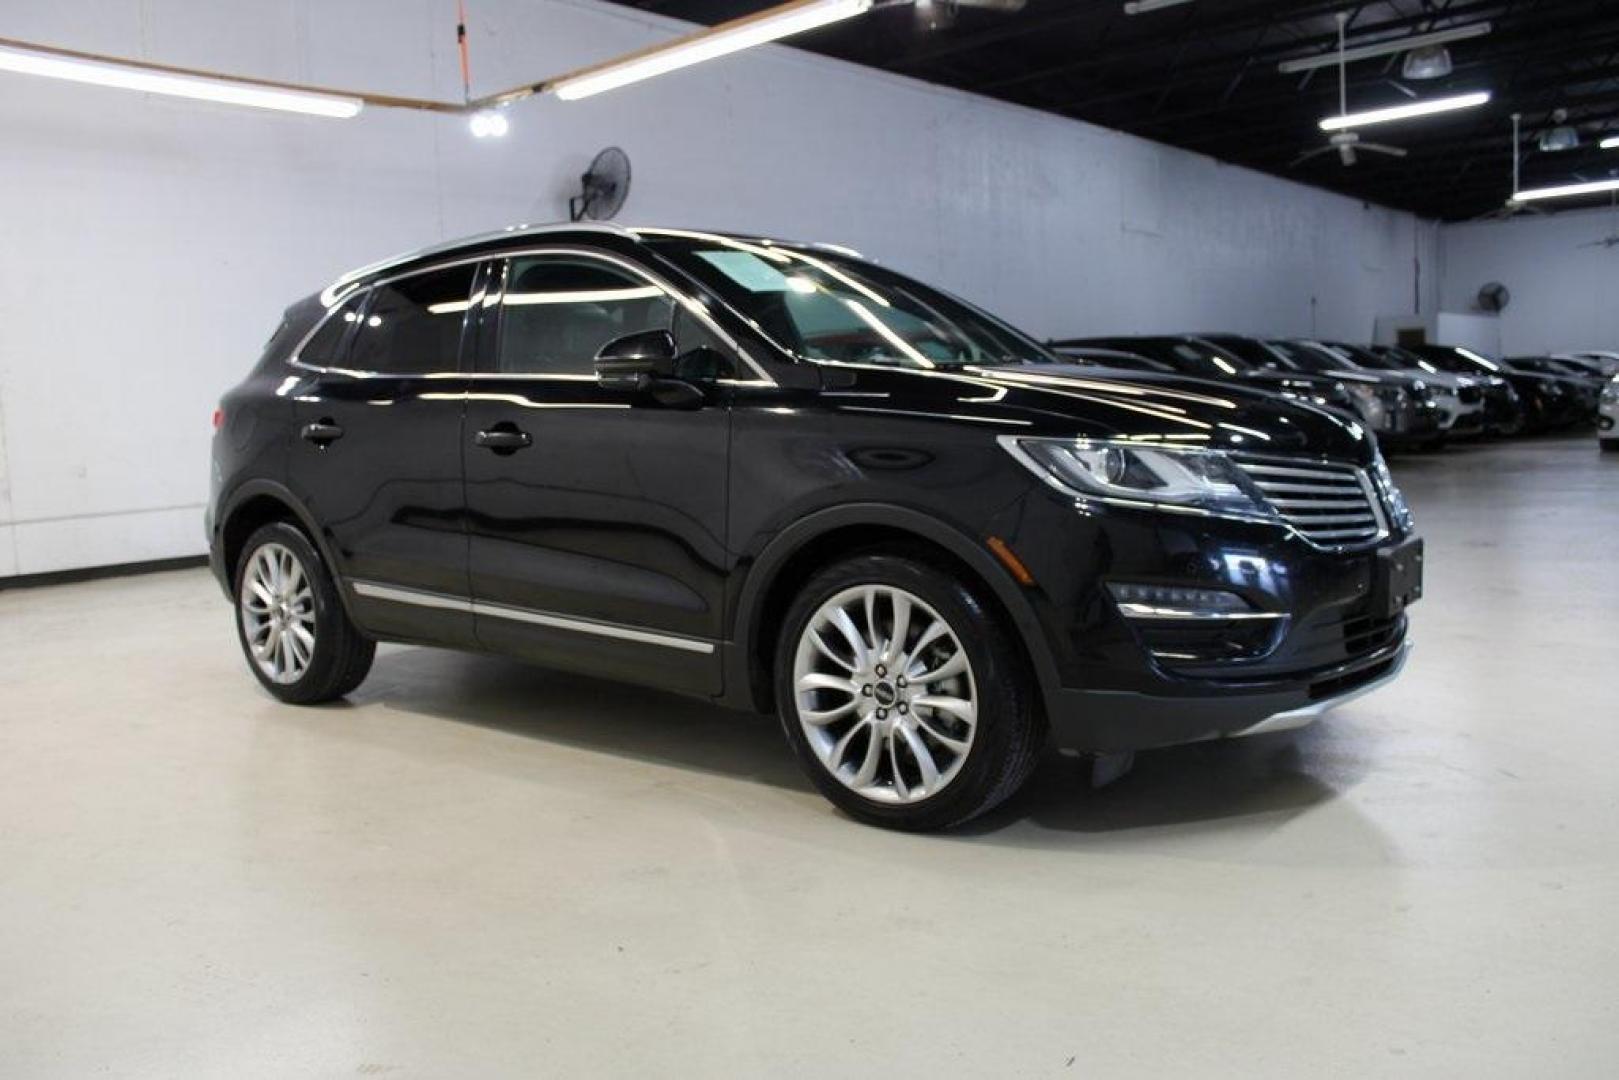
(219, 418)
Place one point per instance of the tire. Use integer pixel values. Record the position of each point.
(982, 745)
(285, 593)
(1609, 445)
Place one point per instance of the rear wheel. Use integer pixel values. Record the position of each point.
(906, 701)
(296, 636)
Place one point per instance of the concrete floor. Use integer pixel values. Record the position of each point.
(478, 869)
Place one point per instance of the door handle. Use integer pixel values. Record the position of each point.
(322, 432)
(504, 438)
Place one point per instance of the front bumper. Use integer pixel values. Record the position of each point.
(1320, 632)
(1108, 721)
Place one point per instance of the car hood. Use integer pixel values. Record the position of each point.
(1085, 401)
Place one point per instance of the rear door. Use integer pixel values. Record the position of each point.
(378, 454)
(596, 516)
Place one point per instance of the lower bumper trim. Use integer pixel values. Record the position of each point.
(1105, 721)
(1293, 719)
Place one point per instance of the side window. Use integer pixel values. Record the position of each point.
(559, 310)
(325, 348)
(412, 326)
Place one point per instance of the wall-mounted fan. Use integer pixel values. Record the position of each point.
(603, 188)
(1347, 143)
(1493, 296)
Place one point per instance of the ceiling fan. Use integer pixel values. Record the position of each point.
(1347, 143)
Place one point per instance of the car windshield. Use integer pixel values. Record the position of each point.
(1252, 351)
(1365, 358)
(1460, 360)
(1304, 358)
(821, 305)
(1200, 358)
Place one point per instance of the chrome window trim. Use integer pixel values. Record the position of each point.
(350, 277)
(395, 594)
(685, 301)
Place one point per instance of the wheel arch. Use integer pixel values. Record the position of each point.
(251, 507)
(814, 541)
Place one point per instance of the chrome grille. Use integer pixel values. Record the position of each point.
(1329, 504)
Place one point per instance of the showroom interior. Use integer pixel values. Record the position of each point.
(1143, 325)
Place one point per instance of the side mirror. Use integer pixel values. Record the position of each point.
(636, 361)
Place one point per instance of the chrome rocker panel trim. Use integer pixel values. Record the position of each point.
(373, 590)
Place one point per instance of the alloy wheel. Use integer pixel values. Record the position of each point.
(277, 607)
(885, 694)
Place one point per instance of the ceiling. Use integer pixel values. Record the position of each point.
(1203, 75)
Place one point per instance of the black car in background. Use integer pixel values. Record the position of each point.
(1503, 410)
(1400, 409)
(1397, 417)
(1460, 398)
(1587, 380)
(1116, 359)
(1202, 359)
(782, 478)
(1547, 401)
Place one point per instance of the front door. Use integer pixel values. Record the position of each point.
(377, 458)
(596, 516)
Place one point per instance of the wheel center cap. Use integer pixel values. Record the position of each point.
(884, 693)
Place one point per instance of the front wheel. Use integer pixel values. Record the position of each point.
(296, 636)
(905, 699)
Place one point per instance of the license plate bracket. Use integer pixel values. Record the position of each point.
(1397, 577)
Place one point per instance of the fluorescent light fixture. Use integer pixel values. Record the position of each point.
(744, 33)
(1405, 112)
(1610, 143)
(1141, 7)
(201, 88)
(1385, 48)
(1565, 191)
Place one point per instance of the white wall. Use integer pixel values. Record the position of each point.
(147, 245)
(1565, 295)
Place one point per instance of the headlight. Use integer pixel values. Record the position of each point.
(1191, 481)
(1610, 393)
(1392, 498)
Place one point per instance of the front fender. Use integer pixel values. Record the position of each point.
(745, 690)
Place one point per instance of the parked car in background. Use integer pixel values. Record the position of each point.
(1399, 408)
(1607, 363)
(1116, 359)
(1460, 397)
(1585, 383)
(1548, 401)
(1608, 416)
(1202, 359)
(781, 478)
(1503, 411)
(1368, 397)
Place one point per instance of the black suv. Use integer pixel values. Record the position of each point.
(783, 478)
